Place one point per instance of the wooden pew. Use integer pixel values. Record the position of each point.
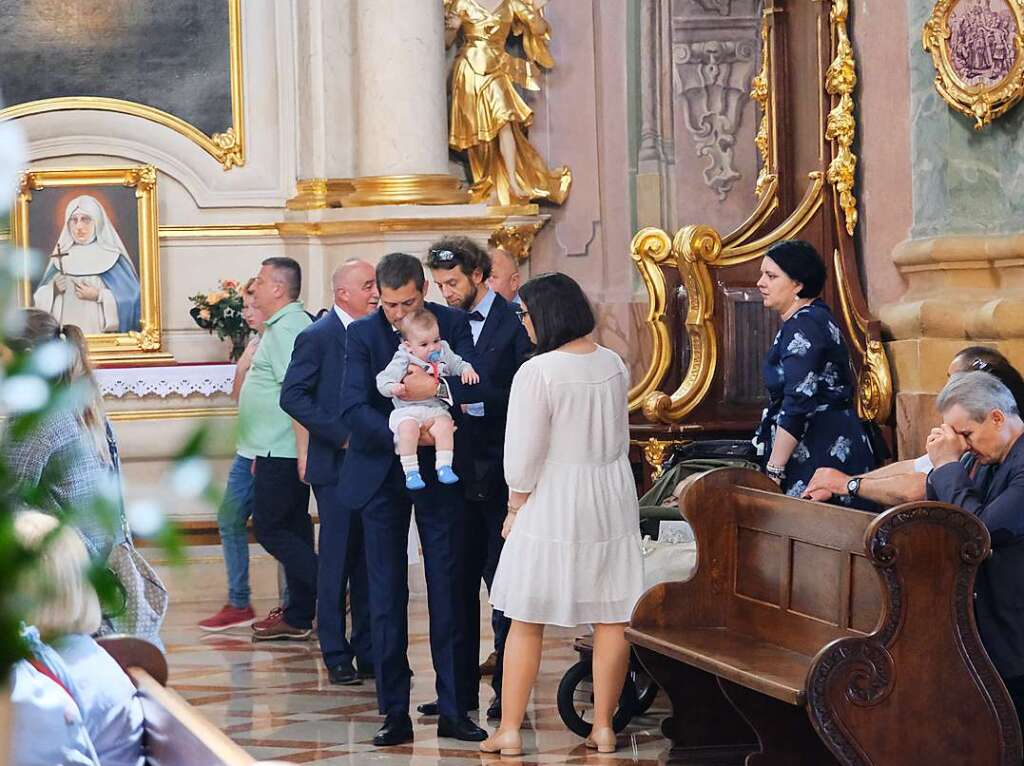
(814, 634)
(176, 733)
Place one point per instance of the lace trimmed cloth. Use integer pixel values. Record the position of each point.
(179, 380)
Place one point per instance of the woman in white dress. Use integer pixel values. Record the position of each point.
(572, 553)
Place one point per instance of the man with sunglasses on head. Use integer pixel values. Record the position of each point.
(461, 269)
(375, 488)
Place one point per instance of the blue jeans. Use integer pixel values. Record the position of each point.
(234, 512)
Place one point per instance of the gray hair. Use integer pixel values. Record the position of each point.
(978, 393)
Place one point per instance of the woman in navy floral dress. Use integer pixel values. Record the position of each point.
(810, 421)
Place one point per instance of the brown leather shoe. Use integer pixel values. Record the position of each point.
(487, 666)
(272, 618)
(279, 630)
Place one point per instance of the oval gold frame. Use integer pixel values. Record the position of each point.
(983, 103)
(227, 147)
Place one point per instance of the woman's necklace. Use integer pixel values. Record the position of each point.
(798, 304)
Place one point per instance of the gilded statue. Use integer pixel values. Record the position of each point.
(489, 118)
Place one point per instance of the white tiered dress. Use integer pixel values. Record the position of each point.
(574, 553)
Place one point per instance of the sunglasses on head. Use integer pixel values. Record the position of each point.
(981, 365)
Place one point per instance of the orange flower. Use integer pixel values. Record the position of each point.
(204, 314)
(214, 298)
(229, 284)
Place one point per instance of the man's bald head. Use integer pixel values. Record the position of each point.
(355, 287)
(504, 278)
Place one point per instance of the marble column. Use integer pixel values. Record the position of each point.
(324, 93)
(400, 104)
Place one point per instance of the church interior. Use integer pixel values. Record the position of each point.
(157, 158)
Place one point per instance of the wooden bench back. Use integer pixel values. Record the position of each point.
(879, 606)
(799, 576)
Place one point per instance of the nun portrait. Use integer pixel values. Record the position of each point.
(90, 280)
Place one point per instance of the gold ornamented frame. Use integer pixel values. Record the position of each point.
(108, 348)
(227, 147)
(984, 103)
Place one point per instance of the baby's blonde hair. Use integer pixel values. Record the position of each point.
(62, 600)
(420, 319)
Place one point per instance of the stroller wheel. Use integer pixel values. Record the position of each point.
(576, 700)
(646, 689)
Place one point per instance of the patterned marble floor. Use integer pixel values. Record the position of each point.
(275, 701)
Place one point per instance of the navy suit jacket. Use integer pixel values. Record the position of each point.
(311, 394)
(502, 347)
(996, 497)
(370, 345)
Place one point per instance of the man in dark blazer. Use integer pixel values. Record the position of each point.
(375, 487)
(461, 268)
(979, 413)
(311, 394)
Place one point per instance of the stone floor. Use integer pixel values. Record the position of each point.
(275, 701)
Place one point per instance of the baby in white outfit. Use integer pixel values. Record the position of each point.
(422, 346)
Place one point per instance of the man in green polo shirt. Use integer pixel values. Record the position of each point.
(280, 497)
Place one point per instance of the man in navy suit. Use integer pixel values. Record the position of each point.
(311, 394)
(375, 487)
(461, 269)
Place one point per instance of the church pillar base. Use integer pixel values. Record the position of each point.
(962, 291)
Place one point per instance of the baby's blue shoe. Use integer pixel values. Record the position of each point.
(413, 480)
(446, 475)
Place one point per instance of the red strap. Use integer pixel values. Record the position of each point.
(48, 673)
(435, 371)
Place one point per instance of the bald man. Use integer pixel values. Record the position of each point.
(504, 279)
(311, 394)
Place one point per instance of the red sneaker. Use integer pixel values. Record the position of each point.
(275, 616)
(229, 617)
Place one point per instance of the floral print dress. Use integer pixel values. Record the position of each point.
(810, 387)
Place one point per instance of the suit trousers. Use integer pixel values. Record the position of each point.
(386, 532)
(479, 550)
(342, 564)
(280, 519)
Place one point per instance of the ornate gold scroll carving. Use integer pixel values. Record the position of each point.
(841, 128)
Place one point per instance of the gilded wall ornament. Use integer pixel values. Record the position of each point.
(489, 120)
(977, 47)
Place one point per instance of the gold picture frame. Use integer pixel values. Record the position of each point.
(124, 198)
(977, 47)
(227, 147)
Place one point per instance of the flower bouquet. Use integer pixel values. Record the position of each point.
(220, 312)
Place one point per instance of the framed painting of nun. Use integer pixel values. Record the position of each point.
(92, 256)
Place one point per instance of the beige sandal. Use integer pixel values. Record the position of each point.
(602, 740)
(504, 742)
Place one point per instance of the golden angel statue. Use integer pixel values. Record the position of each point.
(488, 116)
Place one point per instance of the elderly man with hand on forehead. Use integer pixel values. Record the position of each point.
(979, 414)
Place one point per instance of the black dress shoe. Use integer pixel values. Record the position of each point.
(431, 708)
(397, 730)
(343, 675)
(460, 728)
(494, 710)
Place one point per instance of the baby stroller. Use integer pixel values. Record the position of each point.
(575, 690)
